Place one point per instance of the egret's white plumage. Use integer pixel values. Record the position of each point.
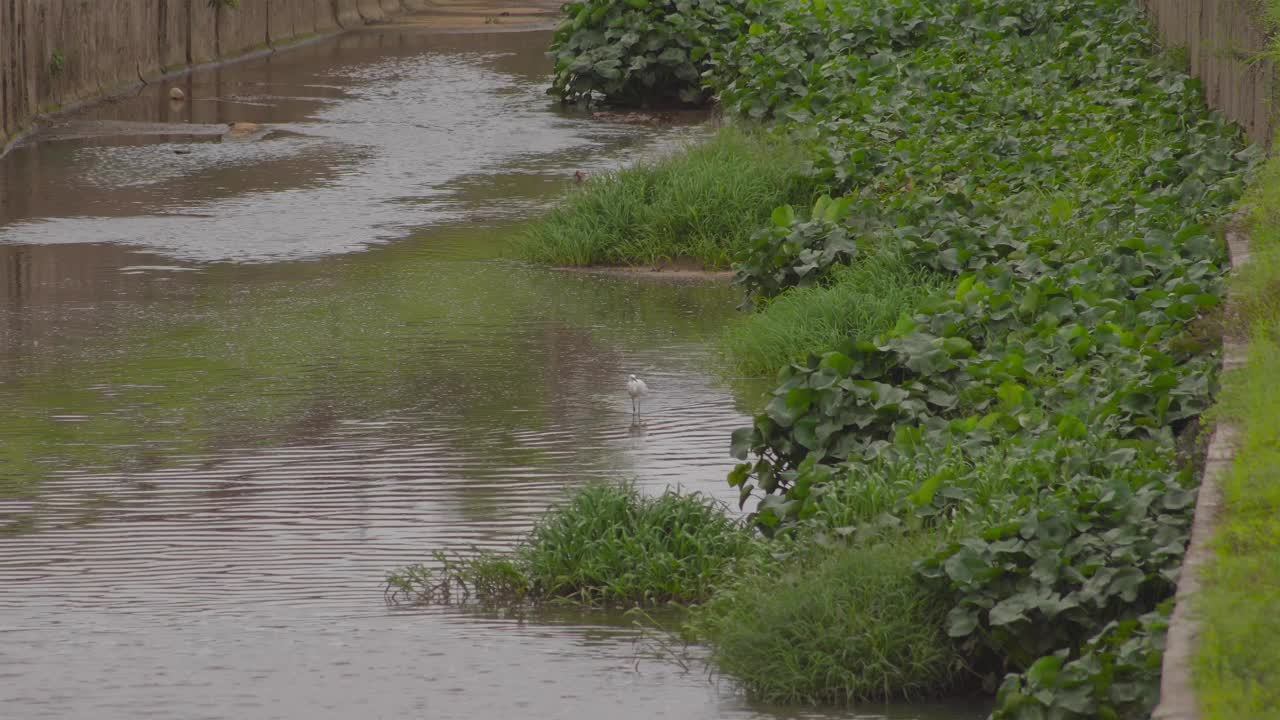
(636, 389)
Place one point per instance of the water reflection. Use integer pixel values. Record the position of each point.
(371, 136)
(221, 424)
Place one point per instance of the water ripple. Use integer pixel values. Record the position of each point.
(207, 467)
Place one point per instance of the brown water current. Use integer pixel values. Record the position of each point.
(242, 379)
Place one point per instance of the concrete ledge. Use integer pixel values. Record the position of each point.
(107, 61)
(333, 17)
(42, 120)
(1178, 699)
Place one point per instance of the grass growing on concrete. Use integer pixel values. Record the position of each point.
(1237, 667)
(606, 545)
(844, 624)
(700, 205)
(1270, 15)
(861, 301)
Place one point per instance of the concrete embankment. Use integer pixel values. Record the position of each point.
(1228, 46)
(59, 53)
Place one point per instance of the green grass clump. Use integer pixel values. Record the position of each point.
(850, 623)
(861, 301)
(610, 544)
(701, 204)
(1237, 666)
(1256, 287)
(607, 545)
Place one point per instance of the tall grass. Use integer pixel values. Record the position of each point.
(606, 545)
(1237, 664)
(850, 624)
(861, 301)
(700, 204)
(981, 489)
(610, 544)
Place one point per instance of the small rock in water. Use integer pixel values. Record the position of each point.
(182, 151)
(242, 129)
(177, 94)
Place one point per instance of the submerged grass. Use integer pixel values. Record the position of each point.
(846, 624)
(1237, 666)
(606, 545)
(701, 204)
(860, 301)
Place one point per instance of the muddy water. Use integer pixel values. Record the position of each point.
(241, 380)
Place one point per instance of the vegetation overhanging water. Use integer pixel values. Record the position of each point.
(989, 487)
(241, 380)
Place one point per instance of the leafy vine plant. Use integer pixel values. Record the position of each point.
(57, 63)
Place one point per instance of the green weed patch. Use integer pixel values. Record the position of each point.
(703, 204)
(633, 53)
(1002, 442)
(1069, 184)
(1239, 643)
(606, 545)
(845, 624)
(857, 303)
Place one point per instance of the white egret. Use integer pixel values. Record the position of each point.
(636, 389)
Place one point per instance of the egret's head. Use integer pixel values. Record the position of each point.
(631, 377)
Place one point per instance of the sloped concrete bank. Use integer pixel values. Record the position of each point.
(1178, 699)
(58, 54)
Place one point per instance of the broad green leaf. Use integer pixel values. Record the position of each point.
(1012, 394)
(1011, 609)
(923, 495)
(799, 400)
(1045, 670)
(961, 622)
(819, 209)
(741, 442)
(964, 565)
(837, 362)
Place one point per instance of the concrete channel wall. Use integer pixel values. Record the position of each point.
(1226, 45)
(56, 53)
(60, 53)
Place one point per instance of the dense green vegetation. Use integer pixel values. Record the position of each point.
(841, 624)
(640, 52)
(703, 205)
(1013, 452)
(1239, 645)
(856, 303)
(1068, 191)
(606, 545)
